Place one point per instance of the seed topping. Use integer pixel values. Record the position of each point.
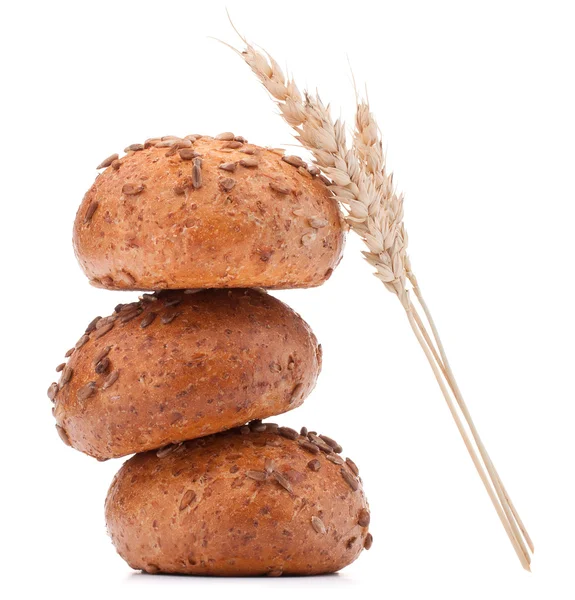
(364, 518)
(280, 189)
(102, 354)
(128, 316)
(172, 302)
(83, 340)
(319, 442)
(188, 154)
(52, 391)
(352, 466)
(167, 142)
(187, 499)
(296, 393)
(165, 450)
(90, 211)
(330, 442)
(92, 325)
(318, 222)
(249, 163)
(229, 166)
(63, 435)
(295, 161)
(178, 145)
(368, 541)
(227, 184)
(107, 161)
(148, 320)
(102, 365)
(257, 475)
(103, 330)
(86, 391)
(132, 189)
(282, 481)
(197, 173)
(309, 446)
(350, 480)
(288, 432)
(67, 373)
(318, 525)
(169, 317)
(314, 465)
(110, 380)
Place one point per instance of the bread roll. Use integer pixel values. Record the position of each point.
(176, 366)
(207, 213)
(252, 501)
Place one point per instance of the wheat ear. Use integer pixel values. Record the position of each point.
(374, 210)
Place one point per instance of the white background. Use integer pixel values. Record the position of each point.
(476, 103)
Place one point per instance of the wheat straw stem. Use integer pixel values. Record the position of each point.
(502, 493)
(503, 499)
(428, 341)
(518, 519)
(468, 444)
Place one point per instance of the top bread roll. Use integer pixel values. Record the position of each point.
(202, 212)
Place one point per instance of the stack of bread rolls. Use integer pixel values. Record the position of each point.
(183, 376)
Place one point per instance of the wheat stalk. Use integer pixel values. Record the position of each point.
(368, 147)
(374, 210)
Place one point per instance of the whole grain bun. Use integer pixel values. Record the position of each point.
(254, 501)
(220, 213)
(176, 366)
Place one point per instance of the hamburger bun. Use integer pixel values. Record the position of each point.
(201, 212)
(175, 366)
(259, 500)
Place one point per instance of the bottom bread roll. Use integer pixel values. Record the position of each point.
(257, 500)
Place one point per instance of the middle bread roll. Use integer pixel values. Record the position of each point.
(178, 365)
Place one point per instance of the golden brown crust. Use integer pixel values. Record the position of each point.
(163, 218)
(239, 504)
(177, 366)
